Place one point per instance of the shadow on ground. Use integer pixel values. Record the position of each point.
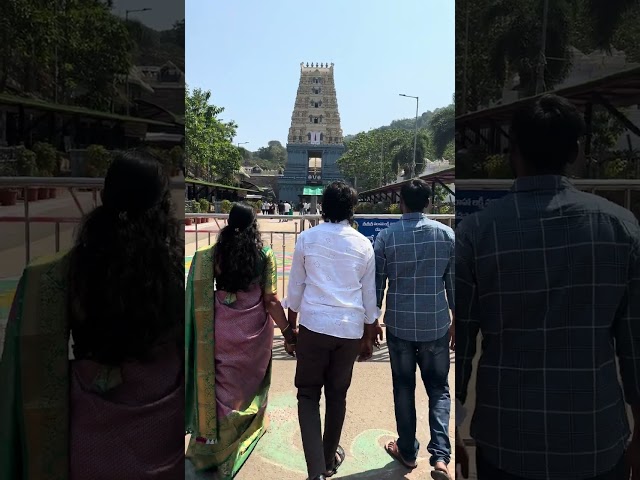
(391, 471)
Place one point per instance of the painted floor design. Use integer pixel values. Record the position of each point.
(7, 291)
(365, 455)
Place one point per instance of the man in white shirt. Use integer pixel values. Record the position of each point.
(332, 285)
(287, 209)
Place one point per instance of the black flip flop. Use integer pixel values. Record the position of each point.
(341, 456)
(440, 475)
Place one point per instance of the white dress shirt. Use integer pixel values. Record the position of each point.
(332, 281)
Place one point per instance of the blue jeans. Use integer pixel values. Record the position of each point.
(433, 360)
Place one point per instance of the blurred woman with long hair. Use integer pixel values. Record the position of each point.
(112, 405)
(229, 335)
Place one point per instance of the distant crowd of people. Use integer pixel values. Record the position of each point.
(285, 208)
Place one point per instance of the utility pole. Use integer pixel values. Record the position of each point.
(542, 63)
(415, 137)
(126, 19)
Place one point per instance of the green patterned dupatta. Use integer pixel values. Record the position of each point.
(233, 438)
(34, 374)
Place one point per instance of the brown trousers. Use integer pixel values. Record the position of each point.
(323, 361)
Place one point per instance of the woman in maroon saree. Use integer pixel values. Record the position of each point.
(229, 340)
(115, 409)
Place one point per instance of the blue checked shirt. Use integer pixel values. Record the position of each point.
(550, 276)
(416, 255)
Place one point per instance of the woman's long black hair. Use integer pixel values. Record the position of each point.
(126, 291)
(238, 253)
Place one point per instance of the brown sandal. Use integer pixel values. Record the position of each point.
(392, 449)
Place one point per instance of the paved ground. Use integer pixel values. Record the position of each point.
(370, 421)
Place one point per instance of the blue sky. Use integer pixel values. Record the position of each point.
(248, 54)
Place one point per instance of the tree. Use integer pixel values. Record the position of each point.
(504, 39)
(209, 148)
(247, 156)
(475, 85)
(515, 28)
(403, 157)
(376, 157)
(96, 52)
(443, 131)
(274, 155)
(70, 51)
(368, 160)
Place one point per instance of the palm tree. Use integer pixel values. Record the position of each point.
(606, 17)
(515, 28)
(443, 129)
(402, 152)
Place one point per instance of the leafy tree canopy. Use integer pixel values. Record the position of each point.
(500, 39)
(209, 150)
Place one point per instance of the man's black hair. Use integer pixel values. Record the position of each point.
(415, 195)
(338, 202)
(546, 132)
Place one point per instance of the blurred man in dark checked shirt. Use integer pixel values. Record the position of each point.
(416, 255)
(551, 278)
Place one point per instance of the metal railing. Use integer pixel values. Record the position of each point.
(302, 223)
(586, 185)
(73, 185)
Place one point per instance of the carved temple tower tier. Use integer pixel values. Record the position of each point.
(315, 139)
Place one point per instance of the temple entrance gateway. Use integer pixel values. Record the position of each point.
(315, 141)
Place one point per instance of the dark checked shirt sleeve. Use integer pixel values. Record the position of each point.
(449, 276)
(466, 318)
(627, 329)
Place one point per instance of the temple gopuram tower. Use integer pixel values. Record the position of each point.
(315, 139)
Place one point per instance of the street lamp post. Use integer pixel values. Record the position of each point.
(126, 19)
(242, 143)
(415, 138)
(382, 163)
(466, 55)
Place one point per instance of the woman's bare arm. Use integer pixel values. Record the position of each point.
(274, 308)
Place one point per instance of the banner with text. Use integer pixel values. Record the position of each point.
(469, 202)
(370, 227)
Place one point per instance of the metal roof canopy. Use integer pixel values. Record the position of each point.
(219, 186)
(612, 92)
(391, 193)
(41, 105)
(620, 89)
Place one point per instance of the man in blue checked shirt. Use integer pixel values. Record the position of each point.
(416, 255)
(550, 277)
